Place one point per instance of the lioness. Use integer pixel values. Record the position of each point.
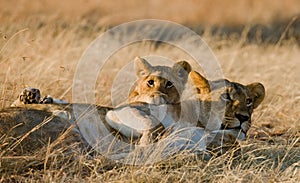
(164, 84)
(226, 107)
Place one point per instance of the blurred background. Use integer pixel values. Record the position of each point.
(264, 20)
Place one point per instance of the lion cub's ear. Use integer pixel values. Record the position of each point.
(257, 93)
(182, 69)
(142, 67)
(199, 82)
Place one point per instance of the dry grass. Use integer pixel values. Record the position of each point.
(41, 47)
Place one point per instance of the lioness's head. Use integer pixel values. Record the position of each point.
(232, 102)
(158, 84)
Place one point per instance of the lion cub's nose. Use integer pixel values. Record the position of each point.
(242, 118)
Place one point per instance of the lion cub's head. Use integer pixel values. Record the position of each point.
(232, 102)
(158, 84)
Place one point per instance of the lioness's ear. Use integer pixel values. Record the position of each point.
(257, 92)
(200, 82)
(182, 69)
(142, 67)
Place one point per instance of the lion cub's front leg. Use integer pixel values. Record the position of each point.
(136, 121)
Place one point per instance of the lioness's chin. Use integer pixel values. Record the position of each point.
(246, 126)
(156, 100)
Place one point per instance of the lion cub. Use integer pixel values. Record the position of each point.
(156, 88)
(159, 84)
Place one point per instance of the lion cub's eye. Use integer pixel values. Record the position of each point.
(150, 83)
(249, 102)
(169, 84)
(225, 96)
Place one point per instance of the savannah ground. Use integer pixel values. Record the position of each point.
(41, 44)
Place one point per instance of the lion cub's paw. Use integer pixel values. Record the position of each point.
(33, 96)
(28, 96)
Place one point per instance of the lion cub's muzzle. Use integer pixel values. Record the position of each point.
(241, 121)
(158, 98)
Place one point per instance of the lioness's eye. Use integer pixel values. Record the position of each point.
(150, 83)
(225, 96)
(169, 84)
(249, 102)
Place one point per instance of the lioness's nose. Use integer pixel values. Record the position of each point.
(242, 118)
